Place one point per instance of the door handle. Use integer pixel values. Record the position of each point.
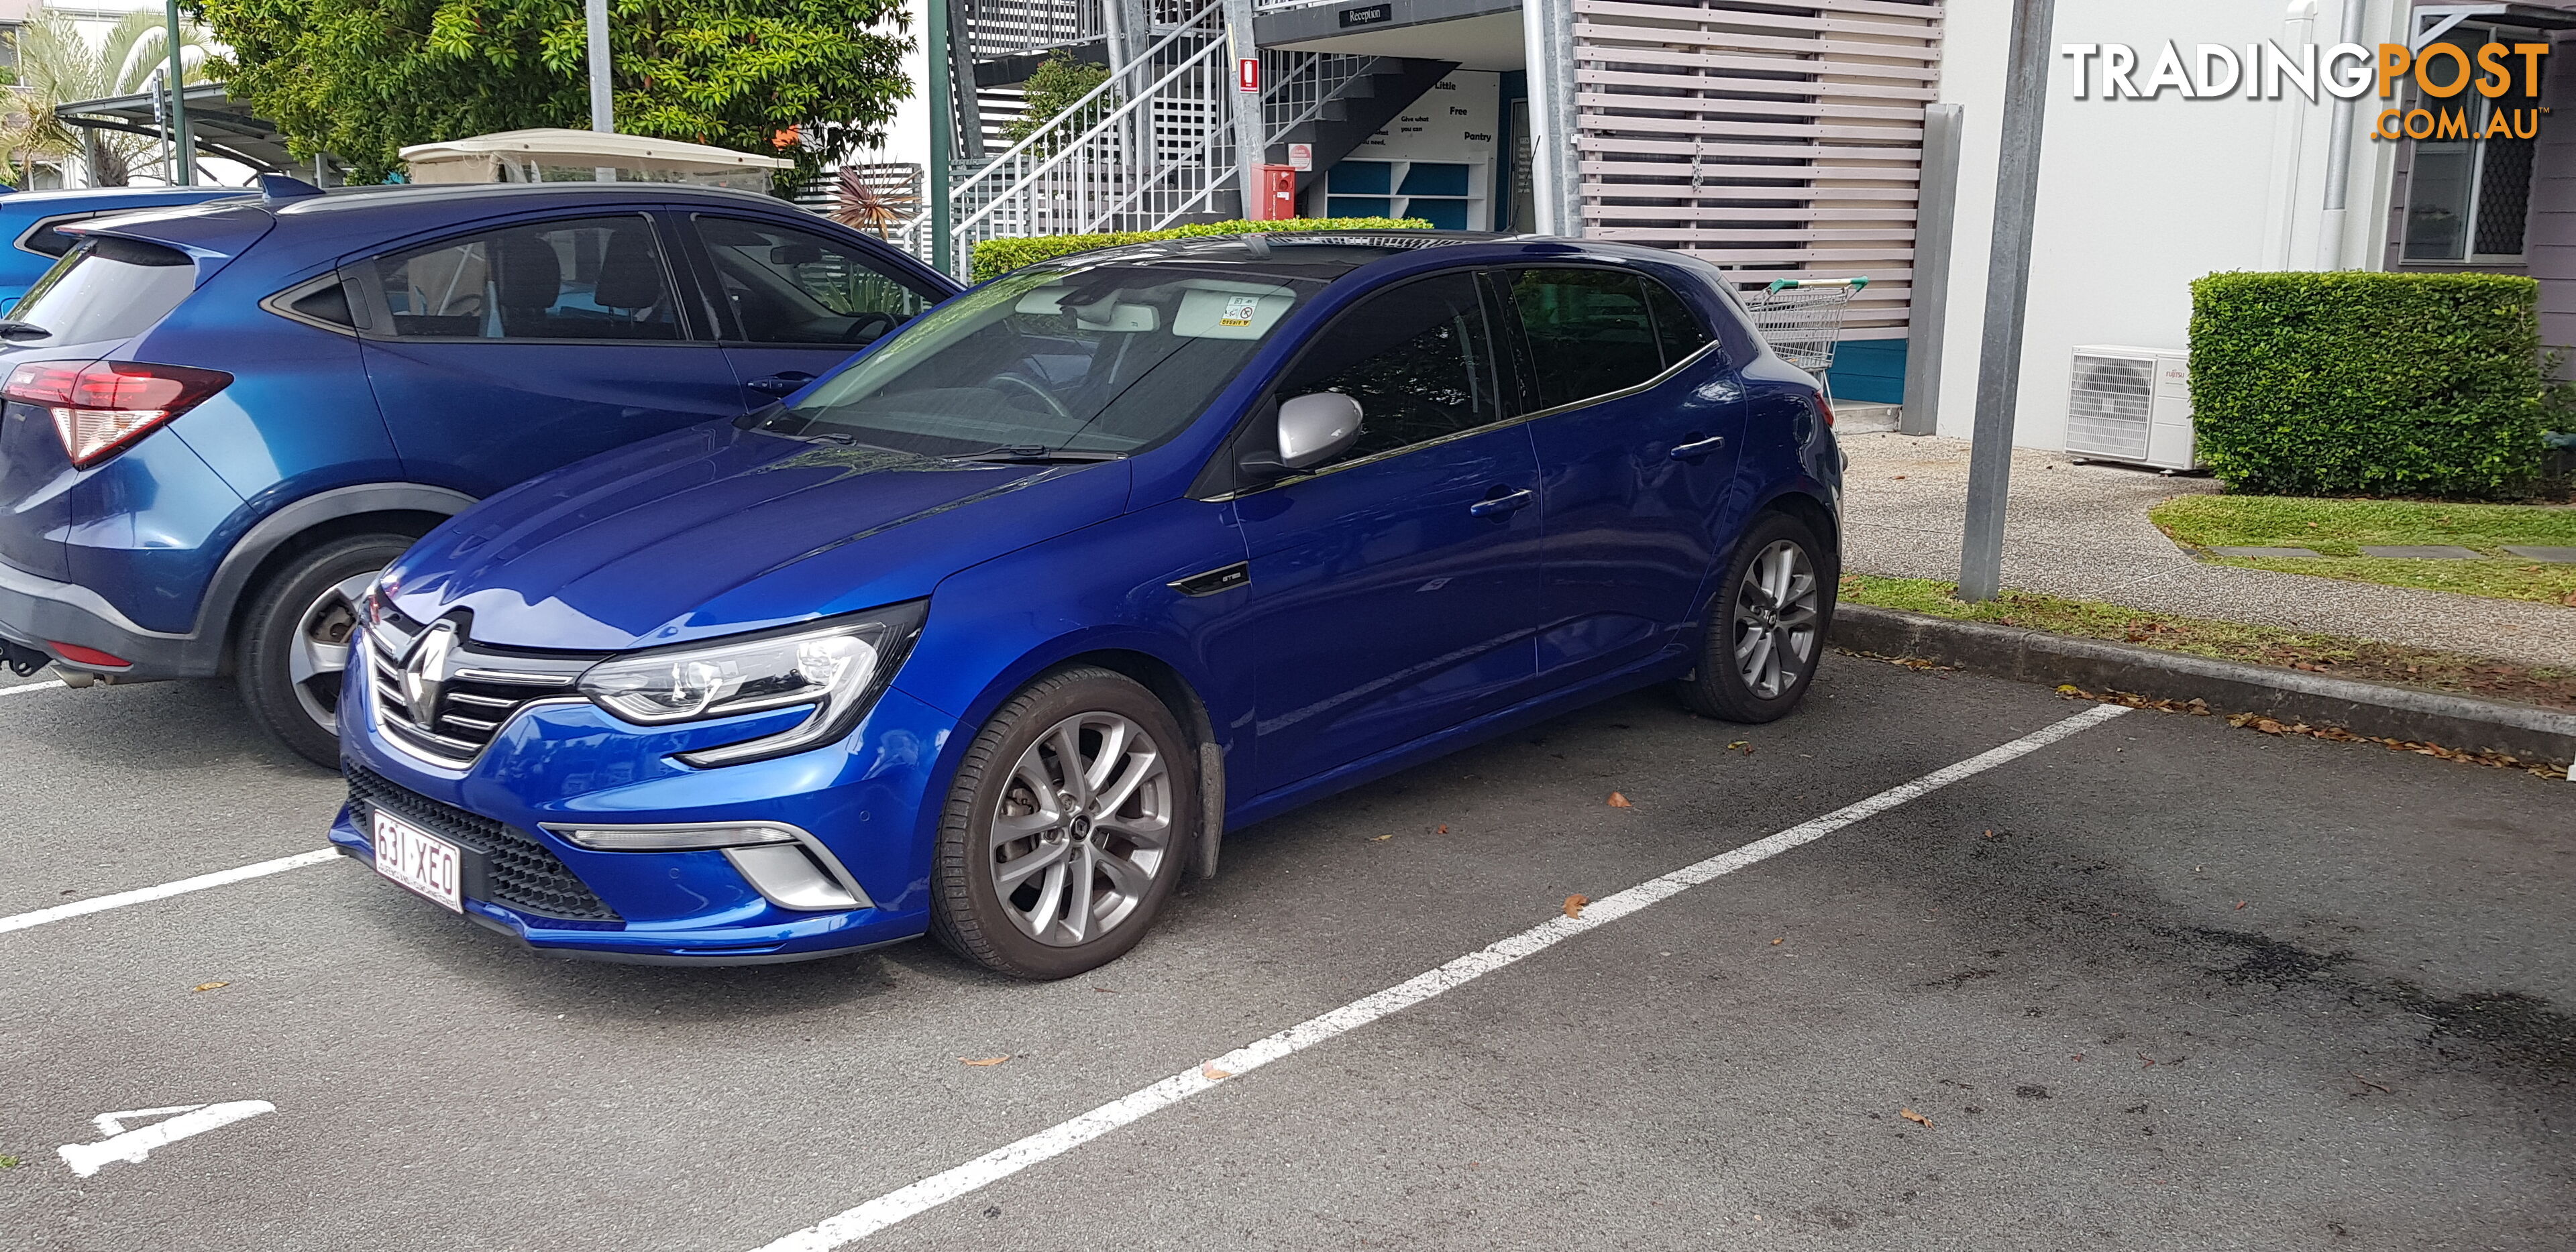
(1698, 448)
(1497, 506)
(780, 384)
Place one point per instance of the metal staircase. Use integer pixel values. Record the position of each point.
(1153, 145)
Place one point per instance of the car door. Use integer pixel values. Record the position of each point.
(1637, 434)
(1393, 591)
(504, 352)
(794, 302)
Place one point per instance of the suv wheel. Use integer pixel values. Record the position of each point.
(1071, 818)
(293, 649)
(1766, 624)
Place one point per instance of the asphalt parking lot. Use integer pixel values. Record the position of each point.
(2155, 984)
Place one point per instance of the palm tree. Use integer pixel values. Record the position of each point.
(57, 65)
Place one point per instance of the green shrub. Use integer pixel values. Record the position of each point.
(2358, 383)
(995, 257)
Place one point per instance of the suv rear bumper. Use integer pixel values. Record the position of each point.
(38, 612)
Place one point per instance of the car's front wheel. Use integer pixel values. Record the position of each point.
(294, 647)
(1067, 827)
(1766, 625)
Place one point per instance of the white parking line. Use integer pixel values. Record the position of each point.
(143, 895)
(43, 686)
(929, 1193)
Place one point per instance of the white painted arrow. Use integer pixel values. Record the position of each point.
(133, 1145)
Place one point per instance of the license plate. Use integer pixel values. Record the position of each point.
(418, 860)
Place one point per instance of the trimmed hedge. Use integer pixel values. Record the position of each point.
(2357, 383)
(995, 257)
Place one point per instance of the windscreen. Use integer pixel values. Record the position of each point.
(1105, 359)
(106, 288)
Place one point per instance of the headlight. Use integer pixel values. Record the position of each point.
(839, 668)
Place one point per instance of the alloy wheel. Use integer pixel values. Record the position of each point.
(1776, 619)
(1083, 828)
(318, 653)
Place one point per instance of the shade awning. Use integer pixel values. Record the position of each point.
(563, 146)
(220, 125)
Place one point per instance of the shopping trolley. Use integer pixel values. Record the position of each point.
(1802, 318)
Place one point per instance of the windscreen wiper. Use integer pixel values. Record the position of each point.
(1035, 454)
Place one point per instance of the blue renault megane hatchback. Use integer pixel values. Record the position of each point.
(992, 632)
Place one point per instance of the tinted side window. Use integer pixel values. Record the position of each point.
(1418, 359)
(591, 278)
(784, 285)
(1588, 330)
(1677, 328)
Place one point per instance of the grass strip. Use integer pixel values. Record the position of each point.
(2361, 659)
(2337, 529)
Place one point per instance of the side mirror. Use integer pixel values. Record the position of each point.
(1313, 429)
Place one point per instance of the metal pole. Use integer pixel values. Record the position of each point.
(941, 64)
(183, 151)
(1556, 199)
(1251, 134)
(1981, 557)
(2339, 158)
(603, 103)
(1936, 210)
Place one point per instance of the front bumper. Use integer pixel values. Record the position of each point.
(570, 762)
(37, 612)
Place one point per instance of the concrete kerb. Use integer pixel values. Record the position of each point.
(2452, 721)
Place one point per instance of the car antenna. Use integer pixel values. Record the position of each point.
(279, 188)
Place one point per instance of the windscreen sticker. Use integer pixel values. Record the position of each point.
(1240, 310)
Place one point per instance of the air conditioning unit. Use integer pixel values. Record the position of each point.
(2132, 405)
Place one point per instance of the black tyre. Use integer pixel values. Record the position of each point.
(293, 649)
(1071, 820)
(1766, 624)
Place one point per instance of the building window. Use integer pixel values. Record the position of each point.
(2468, 200)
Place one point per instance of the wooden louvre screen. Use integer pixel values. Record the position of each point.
(1775, 140)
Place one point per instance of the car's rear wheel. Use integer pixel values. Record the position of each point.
(1067, 827)
(294, 648)
(1766, 625)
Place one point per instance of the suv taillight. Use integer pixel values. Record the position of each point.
(101, 407)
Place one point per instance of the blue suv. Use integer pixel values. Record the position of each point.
(31, 222)
(992, 633)
(223, 420)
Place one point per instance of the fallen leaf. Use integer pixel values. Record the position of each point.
(209, 986)
(1107, 991)
(1382, 838)
(1738, 744)
(981, 1061)
(1618, 801)
(1574, 905)
(1899, 478)
(1442, 831)
(1213, 1074)
(1916, 1118)
(1781, 940)
(2240, 904)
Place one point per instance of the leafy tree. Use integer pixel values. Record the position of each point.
(361, 79)
(1055, 86)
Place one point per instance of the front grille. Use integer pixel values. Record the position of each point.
(517, 870)
(478, 689)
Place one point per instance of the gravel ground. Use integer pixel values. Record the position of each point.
(2082, 531)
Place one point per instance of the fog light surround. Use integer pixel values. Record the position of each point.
(785, 864)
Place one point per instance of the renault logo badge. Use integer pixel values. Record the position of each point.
(425, 673)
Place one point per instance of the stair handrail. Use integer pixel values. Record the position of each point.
(1104, 123)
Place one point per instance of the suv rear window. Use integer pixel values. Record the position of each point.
(107, 288)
